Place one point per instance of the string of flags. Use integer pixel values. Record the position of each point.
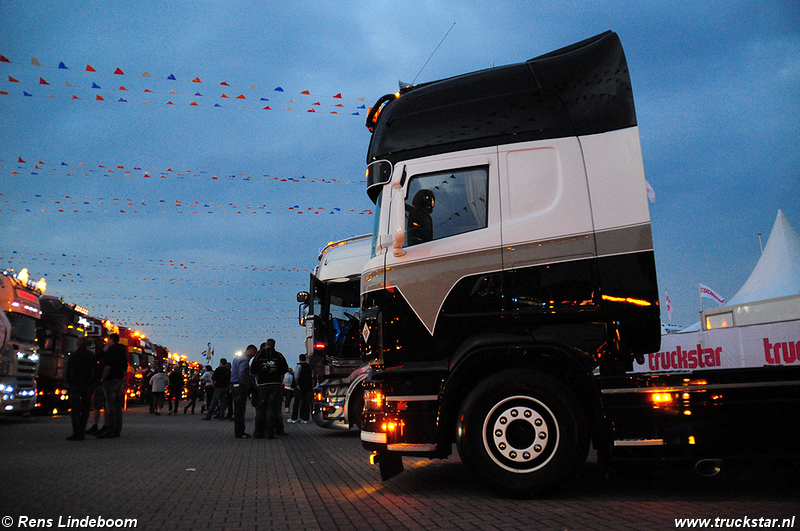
(113, 205)
(82, 169)
(73, 260)
(193, 92)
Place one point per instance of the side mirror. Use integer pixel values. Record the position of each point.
(398, 220)
(302, 297)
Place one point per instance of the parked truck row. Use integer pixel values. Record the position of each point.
(39, 331)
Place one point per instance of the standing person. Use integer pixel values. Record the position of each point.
(304, 389)
(175, 389)
(80, 378)
(193, 387)
(288, 388)
(221, 381)
(240, 383)
(207, 385)
(159, 382)
(226, 408)
(146, 393)
(268, 368)
(114, 364)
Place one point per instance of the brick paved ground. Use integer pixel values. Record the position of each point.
(176, 472)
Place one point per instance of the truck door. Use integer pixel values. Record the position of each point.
(445, 224)
(548, 233)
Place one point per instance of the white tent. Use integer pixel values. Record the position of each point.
(777, 273)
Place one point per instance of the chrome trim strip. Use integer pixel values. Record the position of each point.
(412, 398)
(368, 436)
(639, 442)
(410, 447)
(746, 385)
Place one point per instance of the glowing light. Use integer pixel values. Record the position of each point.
(374, 399)
(629, 300)
(661, 398)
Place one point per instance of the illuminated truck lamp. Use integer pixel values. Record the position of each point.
(661, 398)
(374, 399)
(9, 407)
(390, 426)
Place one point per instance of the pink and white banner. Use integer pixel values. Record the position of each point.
(727, 348)
(708, 293)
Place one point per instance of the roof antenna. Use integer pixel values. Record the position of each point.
(429, 58)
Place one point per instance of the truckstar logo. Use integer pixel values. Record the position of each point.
(789, 351)
(679, 358)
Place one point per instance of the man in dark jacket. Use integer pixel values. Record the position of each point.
(80, 377)
(221, 381)
(114, 364)
(268, 368)
(175, 389)
(303, 391)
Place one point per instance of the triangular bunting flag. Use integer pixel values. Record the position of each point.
(99, 98)
(4, 59)
(318, 103)
(62, 66)
(194, 103)
(74, 97)
(278, 89)
(122, 88)
(43, 82)
(307, 93)
(267, 108)
(146, 74)
(311, 110)
(19, 159)
(225, 84)
(224, 95)
(338, 95)
(118, 71)
(196, 80)
(35, 62)
(90, 69)
(12, 80)
(24, 93)
(95, 86)
(171, 77)
(240, 97)
(67, 84)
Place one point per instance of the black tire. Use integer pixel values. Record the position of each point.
(522, 432)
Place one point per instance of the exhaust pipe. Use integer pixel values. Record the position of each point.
(708, 467)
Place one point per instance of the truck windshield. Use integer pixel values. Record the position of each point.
(23, 328)
(343, 308)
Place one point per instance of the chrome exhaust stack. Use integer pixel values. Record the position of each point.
(708, 467)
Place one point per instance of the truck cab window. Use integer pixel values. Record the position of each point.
(444, 204)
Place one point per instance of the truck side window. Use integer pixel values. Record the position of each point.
(444, 204)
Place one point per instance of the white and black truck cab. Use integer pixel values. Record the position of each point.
(512, 257)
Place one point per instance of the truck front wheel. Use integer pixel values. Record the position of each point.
(522, 432)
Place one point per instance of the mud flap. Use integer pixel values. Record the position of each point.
(390, 464)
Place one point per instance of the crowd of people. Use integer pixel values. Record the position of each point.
(260, 376)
